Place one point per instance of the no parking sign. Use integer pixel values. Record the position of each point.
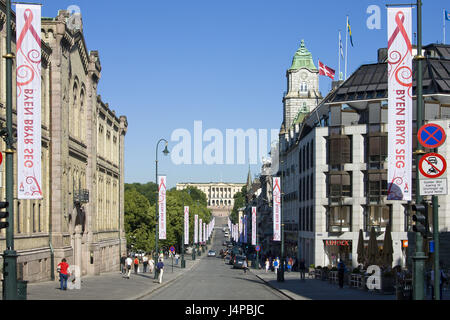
(431, 135)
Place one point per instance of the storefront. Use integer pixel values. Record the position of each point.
(336, 250)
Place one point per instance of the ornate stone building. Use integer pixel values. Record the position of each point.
(302, 93)
(219, 195)
(81, 215)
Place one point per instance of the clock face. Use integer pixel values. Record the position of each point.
(303, 75)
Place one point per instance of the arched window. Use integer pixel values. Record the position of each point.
(303, 87)
(74, 121)
(81, 119)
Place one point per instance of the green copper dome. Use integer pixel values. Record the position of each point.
(303, 59)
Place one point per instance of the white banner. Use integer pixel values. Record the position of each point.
(28, 59)
(200, 231)
(162, 206)
(196, 229)
(245, 229)
(204, 232)
(253, 226)
(400, 103)
(276, 193)
(240, 230)
(186, 225)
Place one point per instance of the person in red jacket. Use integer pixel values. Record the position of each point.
(63, 267)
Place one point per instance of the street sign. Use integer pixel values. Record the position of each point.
(172, 249)
(258, 248)
(431, 135)
(1, 158)
(433, 187)
(432, 165)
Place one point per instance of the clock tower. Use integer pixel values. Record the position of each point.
(302, 93)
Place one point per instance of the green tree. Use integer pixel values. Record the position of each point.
(139, 221)
(140, 212)
(240, 199)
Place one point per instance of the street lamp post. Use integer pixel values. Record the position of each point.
(183, 262)
(419, 257)
(166, 152)
(9, 255)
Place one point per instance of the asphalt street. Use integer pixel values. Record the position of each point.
(212, 279)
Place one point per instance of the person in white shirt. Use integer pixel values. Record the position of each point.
(151, 264)
(145, 262)
(128, 263)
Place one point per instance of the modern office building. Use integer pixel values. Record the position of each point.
(334, 170)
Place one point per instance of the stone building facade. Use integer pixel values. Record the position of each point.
(219, 195)
(81, 215)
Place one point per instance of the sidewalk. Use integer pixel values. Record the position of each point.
(112, 286)
(312, 289)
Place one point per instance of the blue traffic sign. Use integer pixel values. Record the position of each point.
(258, 248)
(172, 249)
(431, 136)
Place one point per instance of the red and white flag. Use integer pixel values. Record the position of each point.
(326, 71)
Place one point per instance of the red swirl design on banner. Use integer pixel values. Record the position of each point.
(397, 56)
(27, 71)
(35, 187)
(406, 74)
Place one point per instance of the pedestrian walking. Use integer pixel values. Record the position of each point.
(151, 264)
(136, 264)
(289, 264)
(245, 265)
(128, 262)
(145, 262)
(160, 268)
(177, 257)
(122, 263)
(267, 265)
(302, 268)
(276, 265)
(62, 268)
(341, 271)
(442, 279)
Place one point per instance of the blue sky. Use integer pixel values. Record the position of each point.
(166, 64)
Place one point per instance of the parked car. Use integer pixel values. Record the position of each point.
(227, 259)
(211, 253)
(238, 262)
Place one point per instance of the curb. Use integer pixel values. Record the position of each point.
(275, 288)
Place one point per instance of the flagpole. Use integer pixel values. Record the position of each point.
(339, 55)
(346, 49)
(443, 23)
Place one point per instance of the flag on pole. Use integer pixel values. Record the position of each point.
(341, 47)
(447, 15)
(326, 71)
(349, 31)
